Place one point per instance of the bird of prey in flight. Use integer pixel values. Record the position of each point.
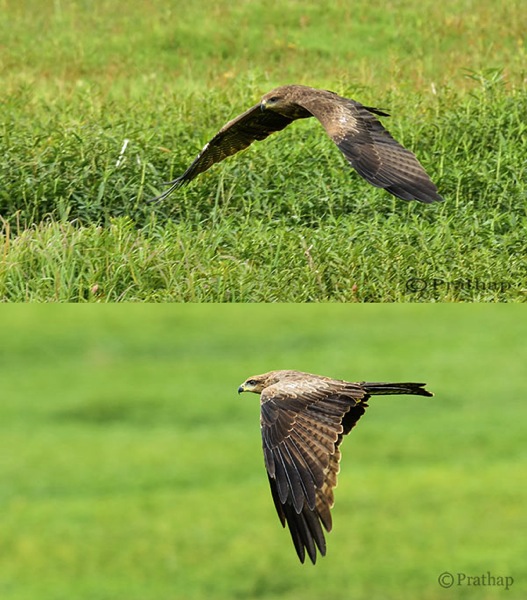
(303, 419)
(367, 146)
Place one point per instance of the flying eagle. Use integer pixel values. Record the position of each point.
(367, 146)
(303, 420)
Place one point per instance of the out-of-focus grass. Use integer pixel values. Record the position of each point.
(132, 469)
(402, 45)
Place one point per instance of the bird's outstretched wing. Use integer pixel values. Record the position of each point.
(302, 425)
(369, 148)
(253, 125)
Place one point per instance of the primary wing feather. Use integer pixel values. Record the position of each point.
(303, 423)
(252, 125)
(369, 148)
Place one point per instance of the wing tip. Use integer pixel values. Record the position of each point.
(430, 198)
(174, 185)
(418, 193)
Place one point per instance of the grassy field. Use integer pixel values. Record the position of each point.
(131, 469)
(287, 220)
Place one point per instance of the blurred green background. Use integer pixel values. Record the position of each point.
(130, 468)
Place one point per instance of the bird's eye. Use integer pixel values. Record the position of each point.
(252, 382)
(274, 99)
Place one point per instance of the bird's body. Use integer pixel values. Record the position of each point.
(365, 143)
(303, 420)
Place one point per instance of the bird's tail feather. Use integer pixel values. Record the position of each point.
(387, 389)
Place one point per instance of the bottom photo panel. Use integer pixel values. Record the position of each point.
(263, 451)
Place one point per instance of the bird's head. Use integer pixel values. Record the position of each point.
(283, 100)
(258, 383)
(273, 99)
(255, 384)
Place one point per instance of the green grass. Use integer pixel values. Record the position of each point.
(286, 220)
(131, 469)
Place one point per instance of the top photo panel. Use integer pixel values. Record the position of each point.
(167, 151)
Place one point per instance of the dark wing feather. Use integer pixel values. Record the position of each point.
(253, 125)
(369, 148)
(303, 423)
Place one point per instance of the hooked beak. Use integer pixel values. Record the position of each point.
(262, 105)
(241, 389)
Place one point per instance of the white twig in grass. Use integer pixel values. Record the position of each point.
(311, 263)
(121, 154)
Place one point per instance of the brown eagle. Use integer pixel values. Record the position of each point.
(367, 146)
(303, 420)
